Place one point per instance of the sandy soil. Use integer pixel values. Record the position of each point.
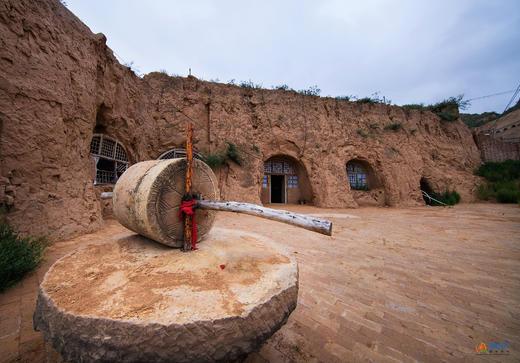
(416, 284)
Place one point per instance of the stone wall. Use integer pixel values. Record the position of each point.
(59, 82)
(495, 150)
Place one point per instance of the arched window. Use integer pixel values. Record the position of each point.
(177, 153)
(110, 157)
(357, 176)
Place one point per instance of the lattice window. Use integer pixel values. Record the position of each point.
(120, 153)
(105, 177)
(357, 177)
(121, 168)
(110, 157)
(352, 179)
(362, 179)
(277, 167)
(287, 168)
(177, 153)
(292, 182)
(94, 145)
(107, 148)
(265, 181)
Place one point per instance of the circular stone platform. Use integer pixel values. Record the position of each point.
(132, 299)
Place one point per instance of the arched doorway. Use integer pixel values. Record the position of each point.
(285, 181)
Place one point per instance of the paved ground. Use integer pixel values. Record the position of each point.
(420, 284)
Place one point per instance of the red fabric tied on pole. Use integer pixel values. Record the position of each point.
(187, 208)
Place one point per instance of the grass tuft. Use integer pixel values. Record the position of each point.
(18, 255)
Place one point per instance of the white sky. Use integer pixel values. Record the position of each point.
(413, 51)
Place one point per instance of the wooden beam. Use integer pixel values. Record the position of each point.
(308, 222)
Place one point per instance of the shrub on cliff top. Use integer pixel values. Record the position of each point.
(18, 255)
(250, 84)
(311, 91)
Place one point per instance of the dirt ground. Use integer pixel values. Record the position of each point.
(416, 284)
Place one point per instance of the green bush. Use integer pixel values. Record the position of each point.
(448, 197)
(506, 195)
(232, 153)
(443, 109)
(311, 91)
(394, 126)
(485, 192)
(414, 106)
(361, 133)
(250, 84)
(214, 160)
(218, 158)
(503, 181)
(499, 172)
(447, 116)
(282, 87)
(18, 255)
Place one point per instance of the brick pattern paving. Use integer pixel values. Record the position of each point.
(421, 284)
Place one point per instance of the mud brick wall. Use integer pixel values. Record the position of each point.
(60, 83)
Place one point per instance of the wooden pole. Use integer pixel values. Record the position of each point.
(189, 182)
(308, 222)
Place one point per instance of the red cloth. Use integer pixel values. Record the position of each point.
(187, 208)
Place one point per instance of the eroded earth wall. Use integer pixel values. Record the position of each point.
(59, 83)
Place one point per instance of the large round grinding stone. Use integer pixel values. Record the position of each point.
(131, 299)
(147, 197)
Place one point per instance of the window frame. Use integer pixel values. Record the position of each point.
(118, 156)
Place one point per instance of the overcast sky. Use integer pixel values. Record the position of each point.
(408, 51)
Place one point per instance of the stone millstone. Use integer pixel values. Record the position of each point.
(133, 300)
(147, 197)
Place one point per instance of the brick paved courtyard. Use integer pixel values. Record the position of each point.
(419, 284)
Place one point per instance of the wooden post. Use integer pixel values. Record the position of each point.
(189, 182)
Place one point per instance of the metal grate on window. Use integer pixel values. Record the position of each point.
(104, 149)
(94, 145)
(107, 148)
(177, 153)
(120, 153)
(121, 168)
(105, 177)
